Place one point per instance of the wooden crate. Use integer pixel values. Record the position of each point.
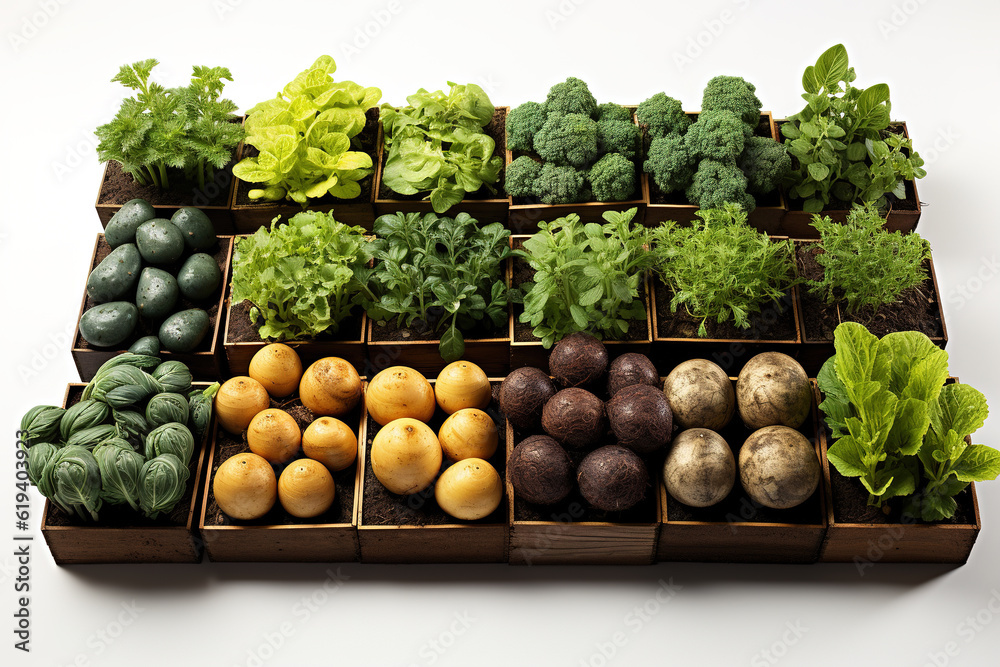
(740, 531)
(268, 541)
(144, 542)
(452, 542)
(204, 364)
(483, 210)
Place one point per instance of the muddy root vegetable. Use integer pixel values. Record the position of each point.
(306, 488)
(462, 384)
(522, 396)
(578, 360)
(640, 418)
(245, 487)
(238, 401)
(330, 387)
(778, 467)
(469, 490)
(629, 369)
(398, 392)
(406, 456)
(331, 442)
(612, 478)
(700, 395)
(541, 471)
(700, 469)
(575, 418)
(278, 369)
(468, 434)
(274, 435)
(773, 389)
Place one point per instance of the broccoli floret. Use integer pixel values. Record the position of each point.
(735, 94)
(520, 177)
(662, 115)
(571, 96)
(567, 139)
(560, 185)
(716, 183)
(612, 178)
(669, 163)
(612, 111)
(764, 162)
(718, 135)
(617, 136)
(523, 122)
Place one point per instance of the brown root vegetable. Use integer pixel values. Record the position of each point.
(778, 467)
(700, 469)
(540, 470)
(398, 392)
(331, 442)
(469, 490)
(522, 395)
(773, 389)
(406, 456)
(640, 418)
(274, 435)
(278, 368)
(245, 487)
(612, 478)
(578, 360)
(700, 395)
(575, 418)
(630, 369)
(238, 400)
(330, 387)
(462, 384)
(306, 488)
(468, 434)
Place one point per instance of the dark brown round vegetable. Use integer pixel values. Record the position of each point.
(640, 418)
(629, 369)
(578, 360)
(540, 470)
(575, 418)
(612, 478)
(522, 395)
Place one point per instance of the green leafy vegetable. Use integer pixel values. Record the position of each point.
(89, 438)
(300, 276)
(119, 474)
(82, 416)
(72, 480)
(40, 424)
(162, 483)
(200, 404)
(140, 361)
(165, 408)
(170, 438)
(124, 386)
(174, 377)
(130, 424)
(38, 456)
(307, 138)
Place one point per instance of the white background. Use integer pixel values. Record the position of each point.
(940, 60)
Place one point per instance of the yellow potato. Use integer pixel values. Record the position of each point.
(278, 368)
(245, 487)
(330, 387)
(406, 456)
(471, 489)
(399, 392)
(306, 488)
(331, 442)
(462, 384)
(468, 434)
(274, 435)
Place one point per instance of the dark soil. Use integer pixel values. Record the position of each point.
(228, 445)
(775, 322)
(497, 129)
(380, 507)
(818, 319)
(368, 140)
(242, 330)
(147, 327)
(522, 272)
(420, 331)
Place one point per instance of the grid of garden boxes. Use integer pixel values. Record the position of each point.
(624, 360)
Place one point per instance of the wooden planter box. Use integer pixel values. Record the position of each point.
(525, 216)
(452, 541)
(795, 222)
(493, 209)
(272, 539)
(204, 364)
(738, 530)
(867, 544)
(140, 540)
(249, 215)
(767, 217)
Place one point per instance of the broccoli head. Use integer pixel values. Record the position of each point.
(561, 185)
(567, 139)
(523, 122)
(764, 162)
(521, 175)
(618, 136)
(735, 94)
(716, 183)
(571, 96)
(662, 115)
(717, 135)
(612, 111)
(669, 163)
(612, 178)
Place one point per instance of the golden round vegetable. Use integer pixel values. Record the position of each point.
(399, 392)
(306, 488)
(468, 434)
(471, 489)
(245, 487)
(278, 368)
(274, 435)
(331, 442)
(331, 386)
(239, 399)
(462, 384)
(406, 456)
